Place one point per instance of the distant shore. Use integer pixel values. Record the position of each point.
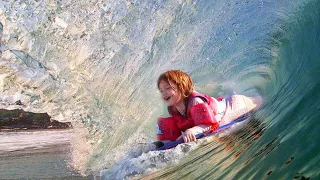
(18, 120)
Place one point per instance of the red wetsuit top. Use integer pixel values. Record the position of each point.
(186, 122)
(199, 113)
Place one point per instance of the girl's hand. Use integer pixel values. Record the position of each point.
(189, 136)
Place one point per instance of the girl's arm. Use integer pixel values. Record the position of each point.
(189, 134)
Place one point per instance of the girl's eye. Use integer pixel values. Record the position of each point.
(165, 89)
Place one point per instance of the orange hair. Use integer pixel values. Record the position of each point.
(180, 78)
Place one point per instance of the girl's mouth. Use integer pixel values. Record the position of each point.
(167, 98)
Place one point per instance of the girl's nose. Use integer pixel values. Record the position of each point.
(163, 93)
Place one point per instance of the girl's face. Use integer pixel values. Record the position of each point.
(170, 94)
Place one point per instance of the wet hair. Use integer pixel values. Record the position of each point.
(181, 79)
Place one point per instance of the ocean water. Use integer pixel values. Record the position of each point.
(96, 63)
(37, 155)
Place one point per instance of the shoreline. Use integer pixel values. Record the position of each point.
(33, 140)
(19, 120)
(33, 130)
(47, 149)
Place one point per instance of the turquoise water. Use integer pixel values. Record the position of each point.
(97, 64)
(269, 46)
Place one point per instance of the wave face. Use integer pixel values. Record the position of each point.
(96, 63)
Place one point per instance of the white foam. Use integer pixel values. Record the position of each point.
(147, 162)
(12, 141)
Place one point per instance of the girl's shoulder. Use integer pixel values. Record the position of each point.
(196, 100)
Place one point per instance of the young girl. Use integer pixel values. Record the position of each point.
(192, 112)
